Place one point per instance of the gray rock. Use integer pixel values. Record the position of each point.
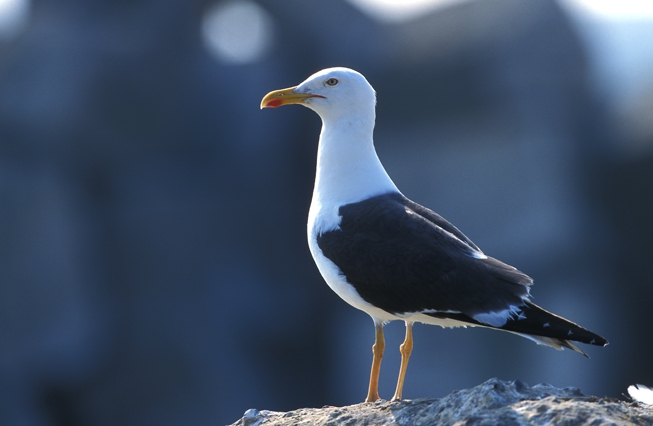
(494, 402)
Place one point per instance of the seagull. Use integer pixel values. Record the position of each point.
(391, 257)
(641, 393)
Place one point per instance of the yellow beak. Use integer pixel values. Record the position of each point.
(283, 97)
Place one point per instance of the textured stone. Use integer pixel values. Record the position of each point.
(494, 402)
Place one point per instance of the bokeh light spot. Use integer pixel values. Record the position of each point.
(13, 17)
(238, 32)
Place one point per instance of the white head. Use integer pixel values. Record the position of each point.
(348, 168)
(333, 93)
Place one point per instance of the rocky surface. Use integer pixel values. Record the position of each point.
(494, 402)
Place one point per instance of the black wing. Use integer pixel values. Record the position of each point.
(402, 257)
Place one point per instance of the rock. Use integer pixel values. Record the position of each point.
(494, 402)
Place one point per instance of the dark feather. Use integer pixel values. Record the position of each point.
(535, 321)
(402, 257)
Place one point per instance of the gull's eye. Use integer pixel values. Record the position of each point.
(332, 82)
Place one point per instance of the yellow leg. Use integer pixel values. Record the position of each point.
(406, 348)
(377, 351)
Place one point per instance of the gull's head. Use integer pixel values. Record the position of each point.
(332, 93)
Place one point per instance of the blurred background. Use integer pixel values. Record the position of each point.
(153, 258)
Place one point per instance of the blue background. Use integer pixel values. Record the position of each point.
(153, 258)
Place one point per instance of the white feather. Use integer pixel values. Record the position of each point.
(641, 393)
(498, 319)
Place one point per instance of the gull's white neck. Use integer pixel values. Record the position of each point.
(348, 168)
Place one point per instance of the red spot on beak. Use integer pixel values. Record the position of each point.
(273, 103)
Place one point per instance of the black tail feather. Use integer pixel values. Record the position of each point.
(535, 321)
